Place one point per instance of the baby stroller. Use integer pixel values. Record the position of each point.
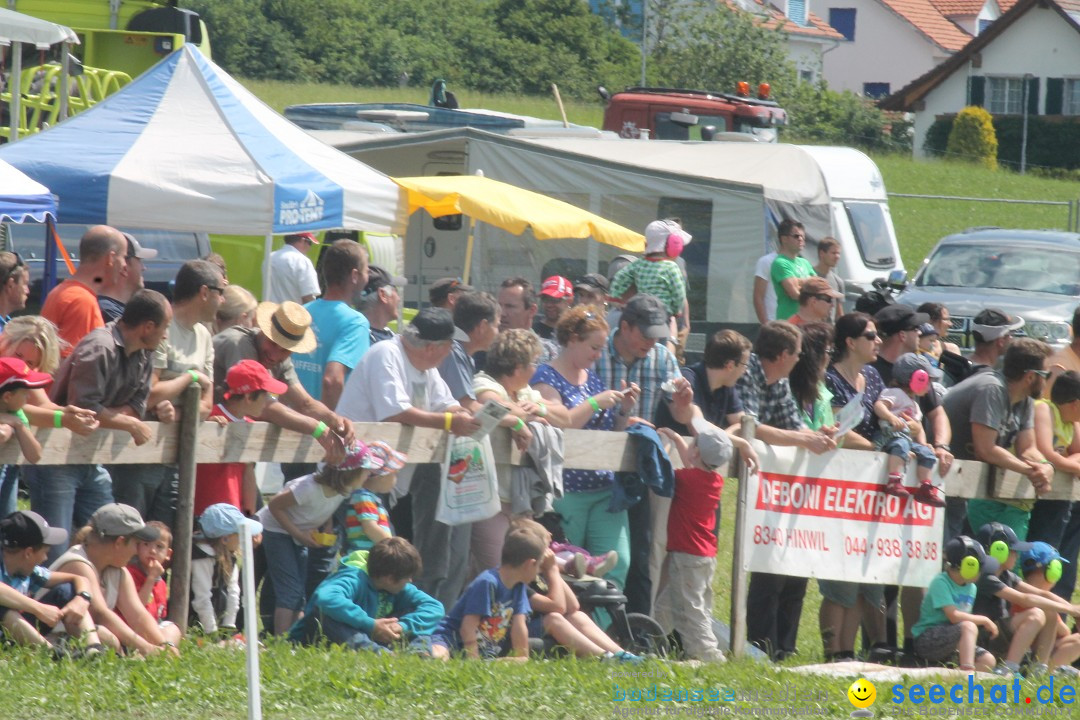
(635, 632)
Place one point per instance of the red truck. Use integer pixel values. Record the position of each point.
(676, 114)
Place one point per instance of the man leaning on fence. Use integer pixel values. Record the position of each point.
(107, 372)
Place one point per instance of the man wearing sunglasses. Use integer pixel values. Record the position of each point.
(14, 285)
(817, 300)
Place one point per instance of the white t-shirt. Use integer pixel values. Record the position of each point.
(185, 349)
(312, 509)
(385, 384)
(763, 270)
(292, 276)
(901, 404)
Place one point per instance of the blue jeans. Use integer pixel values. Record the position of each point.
(340, 633)
(67, 495)
(286, 565)
(150, 489)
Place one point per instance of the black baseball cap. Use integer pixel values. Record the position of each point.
(443, 288)
(24, 528)
(594, 282)
(648, 314)
(437, 325)
(993, 532)
(897, 318)
(378, 277)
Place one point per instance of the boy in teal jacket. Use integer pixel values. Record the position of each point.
(370, 603)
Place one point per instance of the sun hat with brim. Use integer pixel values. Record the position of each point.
(288, 324)
(392, 460)
(120, 520)
(221, 519)
(359, 456)
(16, 373)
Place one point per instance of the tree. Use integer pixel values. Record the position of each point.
(973, 138)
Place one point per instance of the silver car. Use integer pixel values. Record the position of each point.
(1031, 273)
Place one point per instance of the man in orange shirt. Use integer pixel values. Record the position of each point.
(72, 305)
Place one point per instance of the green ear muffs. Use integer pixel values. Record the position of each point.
(1053, 571)
(969, 567)
(999, 550)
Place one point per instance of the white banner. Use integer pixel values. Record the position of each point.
(827, 516)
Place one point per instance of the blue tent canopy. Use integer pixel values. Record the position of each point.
(22, 199)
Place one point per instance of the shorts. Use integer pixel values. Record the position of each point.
(536, 626)
(846, 593)
(938, 643)
(999, 645)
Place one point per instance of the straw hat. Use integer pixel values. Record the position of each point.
(287, 324)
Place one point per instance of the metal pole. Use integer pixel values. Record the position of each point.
(747, 430)
(251, 624)
(1023, 137)
(644, 38)
(180, 587)
(15, 108)
(65, 75)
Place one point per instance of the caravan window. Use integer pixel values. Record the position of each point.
(871, 230)
(696, 219)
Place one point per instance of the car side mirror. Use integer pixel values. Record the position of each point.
(898, 278)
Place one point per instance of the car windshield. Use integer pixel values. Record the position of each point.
(1003, 267)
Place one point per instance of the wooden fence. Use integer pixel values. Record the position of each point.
(190, 442)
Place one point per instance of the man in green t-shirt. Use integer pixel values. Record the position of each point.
(789, 269)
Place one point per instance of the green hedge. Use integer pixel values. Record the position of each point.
(1053, 141)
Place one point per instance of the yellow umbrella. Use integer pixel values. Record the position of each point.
(512, 209)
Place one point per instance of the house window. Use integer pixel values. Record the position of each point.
(875, 90)
(806, 75)
(843, 21)
(1004, 95)
(796, 11)
(1072, 97)
(984, 23)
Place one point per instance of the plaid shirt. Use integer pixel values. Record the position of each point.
(661, 278)
(773, 405)
(649, 372)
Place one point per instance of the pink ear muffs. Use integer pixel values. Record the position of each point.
(920, 381)
(674, 246)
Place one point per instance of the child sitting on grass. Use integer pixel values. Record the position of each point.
(556, 611)
(215, 577)
(1020, 610)
(147, 569)
(684, 600)
(296, 517)
(249, 388)
(25, 539)
(366, 519)
(901, 430)
(370, 603)
(490, 619)
(946, 627)
(1041, 564)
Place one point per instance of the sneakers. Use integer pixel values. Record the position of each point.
(623, 657)
(927, 494)
(895, 487)
(1006, 669)
(603, 564)
(577, 566)
(1067, 671)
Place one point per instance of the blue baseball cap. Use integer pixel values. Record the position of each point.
(223, 519)
(1040, 554)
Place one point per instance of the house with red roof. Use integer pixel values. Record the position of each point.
(888, 43)
(1031, 53)
(809, 37)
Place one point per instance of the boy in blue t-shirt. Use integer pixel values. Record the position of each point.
(490, 619)
(25, 539)
(946, 625)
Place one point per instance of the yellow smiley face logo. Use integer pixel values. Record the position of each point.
(861, 693)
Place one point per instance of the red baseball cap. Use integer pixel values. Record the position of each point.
(14, 371)
(247, 376)
(557, 286)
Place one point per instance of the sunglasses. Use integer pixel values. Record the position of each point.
(825, 298)
(871, 336)
(1044, 374)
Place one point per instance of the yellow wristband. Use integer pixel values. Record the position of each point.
(448, 420)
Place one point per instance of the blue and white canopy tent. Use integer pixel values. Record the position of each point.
(23, 199)
(185, 147)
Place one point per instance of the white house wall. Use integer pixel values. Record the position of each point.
(1010, 54)
(886, 49)
(806, 56)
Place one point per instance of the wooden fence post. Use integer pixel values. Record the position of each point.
(748, 431)
(179, 587)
